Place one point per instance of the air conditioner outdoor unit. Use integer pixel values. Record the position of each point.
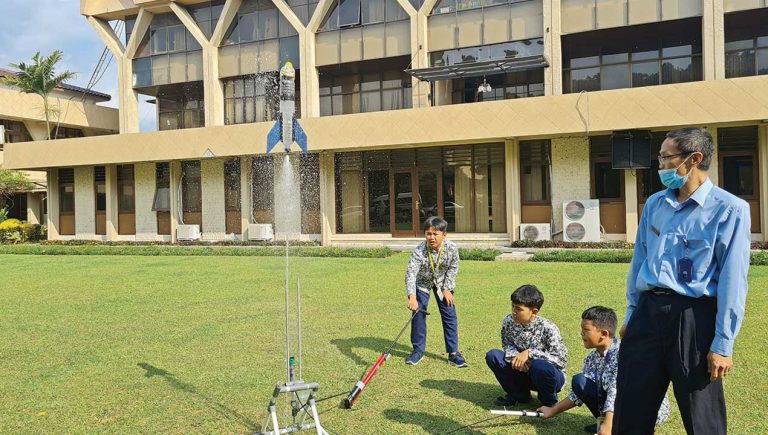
(581, 220)
(260, 232)
(535, 232)
(188, 232)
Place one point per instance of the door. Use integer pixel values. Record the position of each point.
(403, 204)
(416, 195)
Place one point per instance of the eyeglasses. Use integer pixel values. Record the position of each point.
(663, 159)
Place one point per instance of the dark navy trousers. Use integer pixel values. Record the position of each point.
(586, 390)
(668, 338)
(543, 377)
(450, 324)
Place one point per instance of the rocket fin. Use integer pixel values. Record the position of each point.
(275, 135)
(299, 136)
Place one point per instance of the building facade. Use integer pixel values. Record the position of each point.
(75, 114)
(491, 113)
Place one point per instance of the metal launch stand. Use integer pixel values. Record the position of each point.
(301, 409)
(287, 130)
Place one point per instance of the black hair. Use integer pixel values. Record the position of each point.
(602, 318)
(693, 139)
(435, 222)
(528, 295)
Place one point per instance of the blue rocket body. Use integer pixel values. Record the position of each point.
(287, 128)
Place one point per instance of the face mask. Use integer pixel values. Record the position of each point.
(670, 177)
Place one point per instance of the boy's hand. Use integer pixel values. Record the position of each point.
(547, 412)
(449, 300)
(413, 304)
(519, 361)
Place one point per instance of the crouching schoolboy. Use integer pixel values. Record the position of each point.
(595, 386)
(533, 356)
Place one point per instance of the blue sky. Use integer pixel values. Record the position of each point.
(29, 26)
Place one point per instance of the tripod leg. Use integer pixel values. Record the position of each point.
(316, 417)
(273, 413)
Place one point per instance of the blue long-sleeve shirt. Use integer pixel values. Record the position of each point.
(715, 225)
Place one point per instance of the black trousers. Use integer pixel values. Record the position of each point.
(668, 339)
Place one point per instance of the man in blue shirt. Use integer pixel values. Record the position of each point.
(686, 292)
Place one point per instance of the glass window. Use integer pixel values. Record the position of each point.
(372, 11)
(191, 187)
(615, 76)
(232, 184)
(534, 171)
(349, 13)
(633, 56)
(470, 179)
(262, 177)
(737, 151)
(309, 172)
(66, 191)
(739, 175)
(645, 74)
(162, 201)
(126, 195)
(100, 187)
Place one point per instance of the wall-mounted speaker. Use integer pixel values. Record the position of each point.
(631, 149)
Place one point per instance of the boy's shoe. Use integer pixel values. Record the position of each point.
(505, 401)
(457, 360)
(414, 358)
(591, 428)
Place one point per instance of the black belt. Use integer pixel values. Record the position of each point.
(661, 291)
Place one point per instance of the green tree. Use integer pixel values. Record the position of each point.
(39, 77)
(11, 182)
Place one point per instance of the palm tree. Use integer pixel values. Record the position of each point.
(39, 78)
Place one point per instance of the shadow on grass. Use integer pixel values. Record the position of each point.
(347, 346)
(174, 382)
(476, 393)
(430, 423)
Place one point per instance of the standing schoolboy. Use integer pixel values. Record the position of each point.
(534, 355)
(433, 268)
(595, 386)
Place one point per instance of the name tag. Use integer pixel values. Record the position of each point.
(685, 269)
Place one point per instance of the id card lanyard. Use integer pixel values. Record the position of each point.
(435, 265)
(685, 265)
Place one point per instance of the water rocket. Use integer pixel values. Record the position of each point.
(287, 128)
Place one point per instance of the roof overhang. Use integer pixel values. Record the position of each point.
(477, 69)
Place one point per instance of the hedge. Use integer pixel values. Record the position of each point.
(758, 258)
(478, 254)
(178, 243)
(263, 251)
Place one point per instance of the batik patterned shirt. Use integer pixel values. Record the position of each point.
(540, 337)
(419, 274)
(602, 369)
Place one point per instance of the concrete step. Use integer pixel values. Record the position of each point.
(514, 256)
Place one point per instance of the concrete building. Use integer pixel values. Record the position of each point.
(491, 113)
(21, 116)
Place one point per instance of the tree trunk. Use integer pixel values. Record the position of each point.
(47, 122)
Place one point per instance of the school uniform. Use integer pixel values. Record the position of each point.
(548, 358)
(595, 386)
(433, 272)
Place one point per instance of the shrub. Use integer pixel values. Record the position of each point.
(262, 251)
(478, 254)
(3, 214)
(757, 258)
(571, 245)
(575, 256)
(10, 224)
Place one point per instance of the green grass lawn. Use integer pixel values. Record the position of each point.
(195, 344)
